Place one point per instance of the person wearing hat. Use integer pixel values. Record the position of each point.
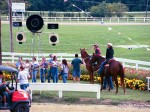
(97, 50)
(109, 55)
(97, 53)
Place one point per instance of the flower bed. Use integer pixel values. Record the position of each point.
(129, 83)
(134, 79)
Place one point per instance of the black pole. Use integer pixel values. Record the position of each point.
(0, 44)
(10, 23)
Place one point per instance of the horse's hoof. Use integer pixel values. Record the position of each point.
(125, 93)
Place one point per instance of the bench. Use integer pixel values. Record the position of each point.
(60, 87)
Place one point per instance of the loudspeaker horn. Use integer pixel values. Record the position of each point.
(34, 23)
(20, 37)
(53, 38)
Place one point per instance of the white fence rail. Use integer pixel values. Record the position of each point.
(88, 19)
(60, 87)
(13, 57)
(148, 83)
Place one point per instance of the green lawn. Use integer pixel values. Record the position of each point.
(72, 38)
(132, 95)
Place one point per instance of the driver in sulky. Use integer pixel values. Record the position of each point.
(4, 91)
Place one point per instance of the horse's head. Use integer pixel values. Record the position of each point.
(84, 54)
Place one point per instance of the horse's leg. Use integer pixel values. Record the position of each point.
(116, 82)
(91, 77)
(101, 82)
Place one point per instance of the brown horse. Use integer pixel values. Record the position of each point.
(86, 57)
(91, 69)
(115, 69)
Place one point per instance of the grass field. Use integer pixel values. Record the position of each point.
(132, 95)
(73, 37)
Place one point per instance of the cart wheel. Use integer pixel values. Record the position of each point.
(22, 107)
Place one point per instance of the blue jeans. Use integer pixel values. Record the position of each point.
(102, 66)
(65, 77)
(49, 74)
(24, 86)
(55, 74)
(108, 82)
(34, 74)
(7, 96)
(43, 72)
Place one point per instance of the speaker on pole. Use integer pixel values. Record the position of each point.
(34, 23)
(20, 37)
(53, 39)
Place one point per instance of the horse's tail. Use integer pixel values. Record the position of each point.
(121, 73)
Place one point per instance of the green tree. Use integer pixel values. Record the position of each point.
(99, 10)
(3, 7)
(36, 5)
(108, 10)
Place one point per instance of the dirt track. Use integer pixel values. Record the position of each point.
(85, 108)
(51, 107)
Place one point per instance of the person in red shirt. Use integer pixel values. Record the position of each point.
(97, 50)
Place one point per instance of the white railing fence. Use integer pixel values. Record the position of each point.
(13, 57)
(87, 19)
(148, 83)
(61, 87)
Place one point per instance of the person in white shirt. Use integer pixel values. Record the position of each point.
(50, 69)
(23, 77)
(55, 65)
(34, 69)
(64, 70)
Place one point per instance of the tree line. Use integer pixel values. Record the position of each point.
(96, 7)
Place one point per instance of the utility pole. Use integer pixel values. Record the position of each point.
(147, 7)
(10, 23)
(0, 44)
